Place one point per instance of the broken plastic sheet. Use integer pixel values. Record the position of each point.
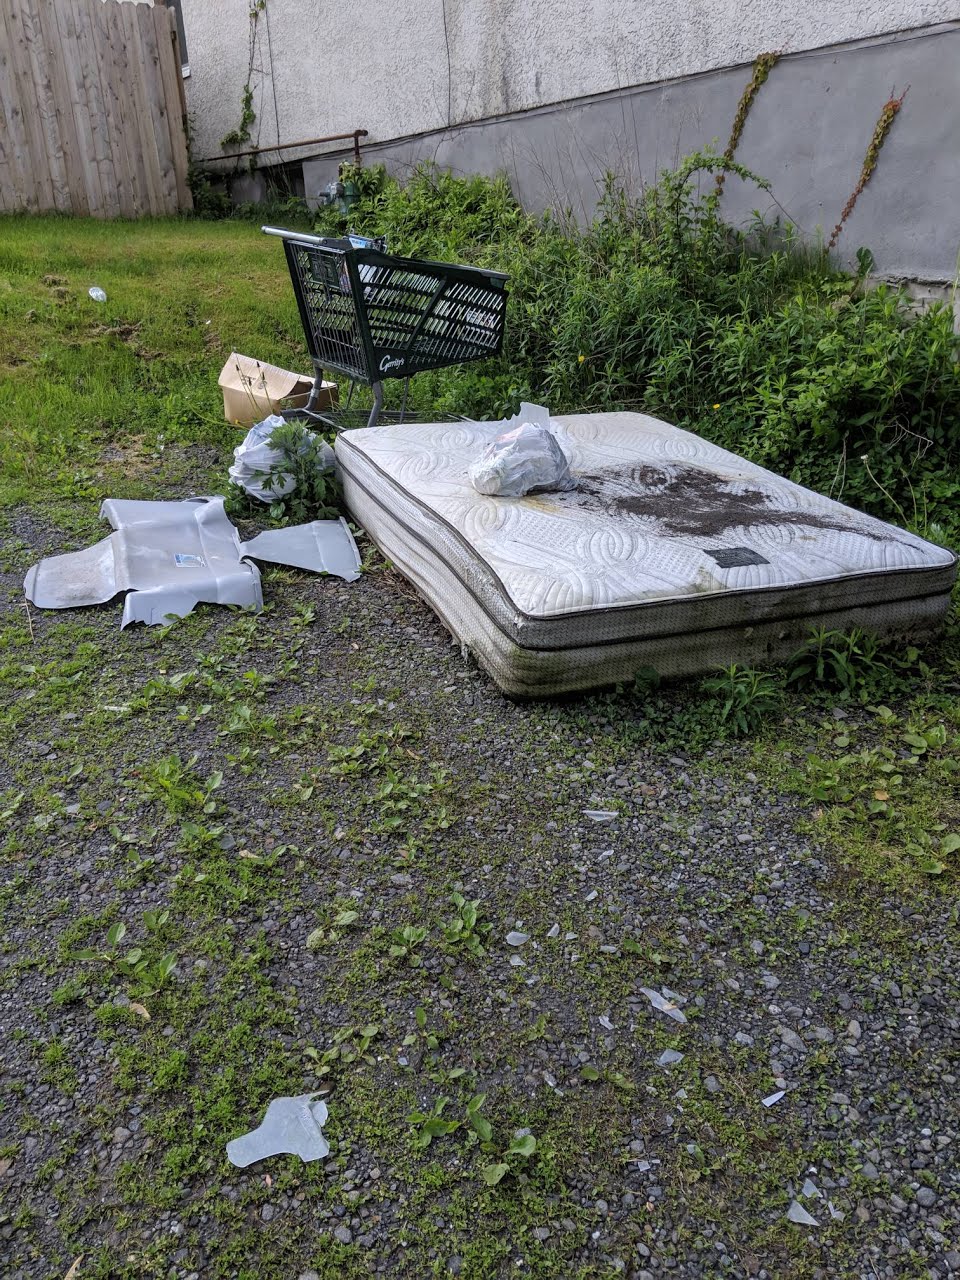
(291, 1126)
(168, 557)
(323, 546)
(171, 556)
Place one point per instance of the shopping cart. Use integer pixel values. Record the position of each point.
(369, 316)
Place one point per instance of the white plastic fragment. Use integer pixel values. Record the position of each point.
(668, 1057)
(591, 895)
(834, 1212)
(669, 1007)
(291, 1126)
(569, 937)
(797, 1213)
(517, 961)
(97, 294)
(322, 546)
(515, 939)
(810, 1190)
(601, 815)
(605, 1022)
(774, 1098)
(167, 557)
(553, 931)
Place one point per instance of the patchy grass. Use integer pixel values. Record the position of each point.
(106, 396)
(250, 855)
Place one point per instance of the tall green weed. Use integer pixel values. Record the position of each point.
(747, 337)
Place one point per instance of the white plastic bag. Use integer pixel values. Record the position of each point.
(524, 458)
(254, 458)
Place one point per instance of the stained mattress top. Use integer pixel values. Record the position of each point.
(658, 514)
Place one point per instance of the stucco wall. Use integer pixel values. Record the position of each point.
(807, 133)
(399, 67)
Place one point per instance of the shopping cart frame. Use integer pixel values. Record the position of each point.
(371, 316)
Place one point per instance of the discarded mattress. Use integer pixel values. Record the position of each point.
(171, 556)
(670, 553)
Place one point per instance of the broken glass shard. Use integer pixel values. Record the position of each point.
(663, 1005)
(797, 1213)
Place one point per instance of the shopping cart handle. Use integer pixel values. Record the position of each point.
(303, 236)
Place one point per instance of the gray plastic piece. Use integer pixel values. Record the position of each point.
(291, 1126)
(168, 557)
(323, 546)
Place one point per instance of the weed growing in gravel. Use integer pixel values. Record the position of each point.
(350, 1045)
(175, 784)
(328, 935)
(465, 931)
(406, 942)
(150, 973)
(845, 660)
(747, 697)
(431, 1124)
(896, 795)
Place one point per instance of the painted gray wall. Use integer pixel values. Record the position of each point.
(808, 132)
(398, 67)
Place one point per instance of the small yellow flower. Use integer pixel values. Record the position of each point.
(716, 406)
(580, 359)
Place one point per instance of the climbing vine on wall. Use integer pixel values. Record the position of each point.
(236, 137)
(762, 66)
(891, 109)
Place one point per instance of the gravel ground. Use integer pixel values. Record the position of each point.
(369, 774)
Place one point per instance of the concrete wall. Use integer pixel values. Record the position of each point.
(397, 67)
(556, 92)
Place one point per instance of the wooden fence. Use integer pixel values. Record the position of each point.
(92, 109)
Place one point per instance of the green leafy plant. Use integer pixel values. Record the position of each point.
(465, 931)
(431, 1124)
(406, 943)
(749, 337)
(302, 467)
(837, 660)
(326, 935)
(350, 1045)
(151, 974)
(512, 1160)
(176, 785)
(746, 697)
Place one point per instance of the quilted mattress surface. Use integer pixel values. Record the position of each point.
(670, 552)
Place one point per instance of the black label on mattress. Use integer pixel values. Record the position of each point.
(734, 557)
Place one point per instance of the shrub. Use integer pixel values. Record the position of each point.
(747, 337)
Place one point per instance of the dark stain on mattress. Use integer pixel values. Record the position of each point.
(694, 501)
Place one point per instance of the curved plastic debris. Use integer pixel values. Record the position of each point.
(291, 1126)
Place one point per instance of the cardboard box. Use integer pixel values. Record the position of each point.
(252, 390)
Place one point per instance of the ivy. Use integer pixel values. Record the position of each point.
(891, 109)
(236, 137)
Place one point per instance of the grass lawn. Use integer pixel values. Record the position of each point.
(247, 856)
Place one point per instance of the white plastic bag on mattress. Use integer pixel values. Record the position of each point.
(524, 458)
